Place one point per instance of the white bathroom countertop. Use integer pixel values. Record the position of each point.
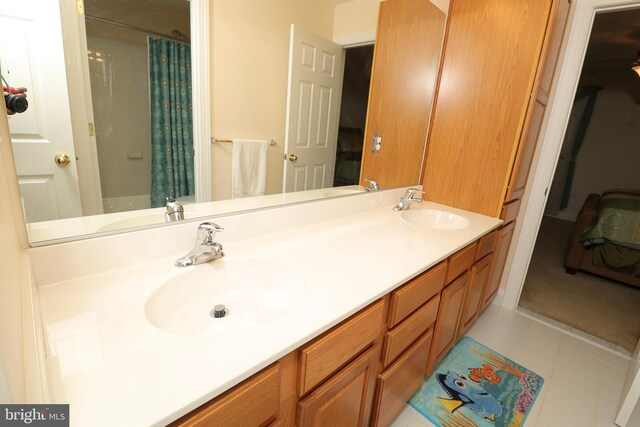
(115, 367)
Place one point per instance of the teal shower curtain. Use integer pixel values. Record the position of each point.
(171, 120)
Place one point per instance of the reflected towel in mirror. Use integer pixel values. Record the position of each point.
(248, 167)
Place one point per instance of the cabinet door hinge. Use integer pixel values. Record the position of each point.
(92, 129)
(80, 6)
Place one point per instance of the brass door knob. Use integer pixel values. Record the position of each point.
(293, 157)
(62, 159)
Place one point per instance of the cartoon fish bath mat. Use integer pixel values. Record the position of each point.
(475, 386)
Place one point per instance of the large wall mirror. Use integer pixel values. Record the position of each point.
(109, 130)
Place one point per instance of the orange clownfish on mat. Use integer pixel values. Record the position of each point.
(484, 373)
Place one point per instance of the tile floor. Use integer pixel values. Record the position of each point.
(583, 381)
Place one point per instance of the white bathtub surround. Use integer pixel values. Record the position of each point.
(115, 367)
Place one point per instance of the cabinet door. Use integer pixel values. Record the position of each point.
(524, 156)
(398, 383)
(408, 43)
(499, 261)
(557, 33)
(480, 111)
(345, 399)
(473, 301)
(444, 335)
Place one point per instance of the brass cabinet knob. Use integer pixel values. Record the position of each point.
(293, 157)
(62, 159)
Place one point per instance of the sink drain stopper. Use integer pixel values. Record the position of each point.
(219, 311)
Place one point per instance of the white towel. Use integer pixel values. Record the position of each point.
(248, 167)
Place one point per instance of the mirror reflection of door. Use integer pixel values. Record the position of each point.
(313, 99)
(98, 79)
(327, 98)
(29, 38)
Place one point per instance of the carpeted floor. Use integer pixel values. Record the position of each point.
(597, 306)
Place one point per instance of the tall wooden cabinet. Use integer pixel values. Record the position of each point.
(403, 79)
(492, 52)
(499, 61)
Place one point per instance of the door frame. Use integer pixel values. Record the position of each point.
(81, 107)
(201, 97)
(548, 151)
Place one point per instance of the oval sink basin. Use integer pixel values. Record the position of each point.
(434, 218)
(254, 291)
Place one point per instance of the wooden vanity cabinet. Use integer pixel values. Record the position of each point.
(499, 261)
(254, 402)
(473, 300)
(326, 354)
(337, 371)
(345, 399)
(412, 315)
(446, 327)
(401, 380)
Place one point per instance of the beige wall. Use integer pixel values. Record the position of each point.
(13, 239)
(249, 55)
(356, 21)
(609, 154)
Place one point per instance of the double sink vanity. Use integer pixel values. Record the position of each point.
(335, 309)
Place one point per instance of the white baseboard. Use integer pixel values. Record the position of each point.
(499, 298)
(564, 215)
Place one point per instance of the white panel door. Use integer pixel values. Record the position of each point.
(316, 68)
(631, 392)
(32, 55)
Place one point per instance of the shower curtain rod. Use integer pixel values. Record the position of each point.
(132, 27)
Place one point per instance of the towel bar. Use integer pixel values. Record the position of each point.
(272, 142)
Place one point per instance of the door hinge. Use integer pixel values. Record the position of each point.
(80, 6)
(92, 129)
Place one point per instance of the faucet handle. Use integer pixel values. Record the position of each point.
(175, 210)
(412, 192)
(374, 185)
(207, 231)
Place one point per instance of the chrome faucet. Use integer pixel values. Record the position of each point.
(205, 249)
(175, 211)
(373, 185)
(408, 199)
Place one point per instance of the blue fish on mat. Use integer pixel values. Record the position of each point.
(468, 394)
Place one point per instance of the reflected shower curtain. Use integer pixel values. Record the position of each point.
(171, 121)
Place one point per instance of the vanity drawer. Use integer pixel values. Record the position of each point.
(510, 211)
(403, 335)
(335, 348)
(415, 293)
(257, 399)
(486, 245)
(460, 262)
